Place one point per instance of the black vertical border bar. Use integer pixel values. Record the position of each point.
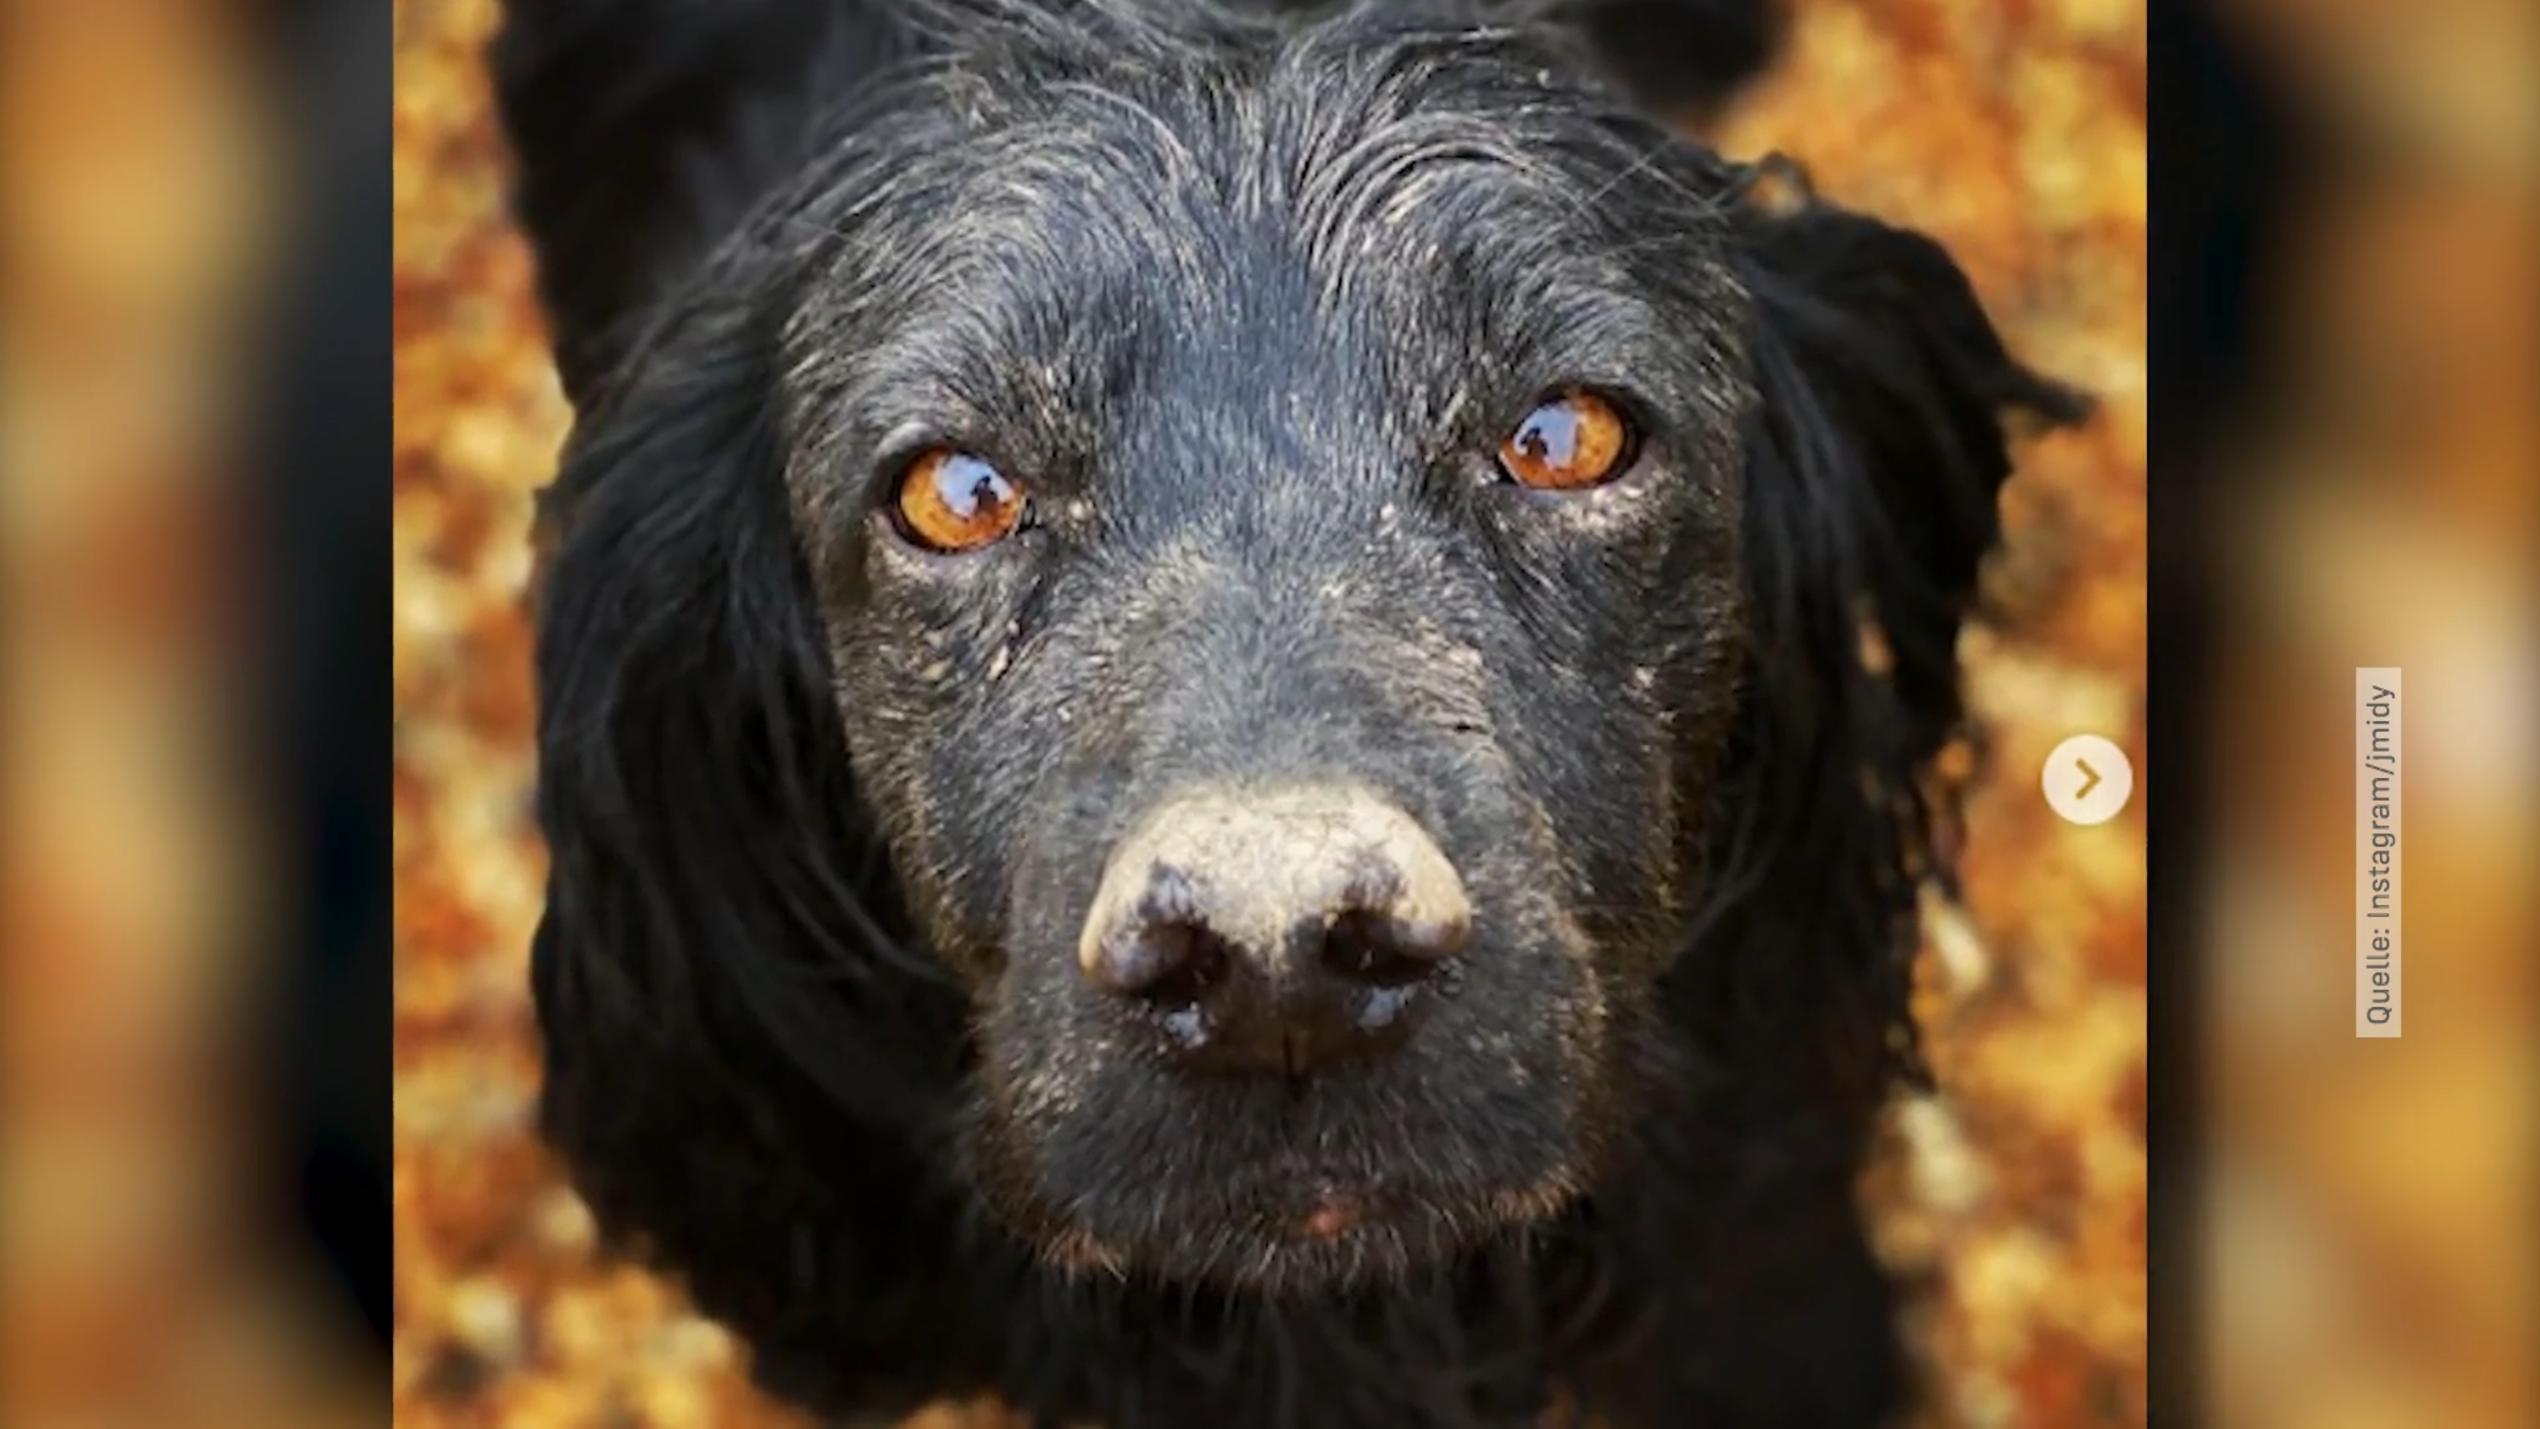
(2220, 158)
(317, 515)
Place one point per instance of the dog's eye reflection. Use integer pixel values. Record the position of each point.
(1570, 441)
(952, 501)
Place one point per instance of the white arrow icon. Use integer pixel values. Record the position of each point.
(2087, 780)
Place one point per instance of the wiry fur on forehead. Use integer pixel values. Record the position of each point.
(1051, 191)
(1339, 127)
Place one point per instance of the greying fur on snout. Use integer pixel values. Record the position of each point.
(1262, 856)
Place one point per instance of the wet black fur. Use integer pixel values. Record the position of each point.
(767, 1029)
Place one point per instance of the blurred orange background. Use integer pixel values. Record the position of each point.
(2372, 1208)
(150, 1269)
(2367, 1239)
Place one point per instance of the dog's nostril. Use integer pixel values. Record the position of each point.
(1387, 951)
(1163, 961)
(1196, 962)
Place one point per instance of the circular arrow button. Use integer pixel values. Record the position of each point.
(2087, 779)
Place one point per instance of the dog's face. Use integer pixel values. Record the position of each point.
(1336, 562)
(1277, 531)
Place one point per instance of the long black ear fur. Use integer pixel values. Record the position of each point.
(1876, 451)
(643, 130)
(1886, 390)
(717, 908)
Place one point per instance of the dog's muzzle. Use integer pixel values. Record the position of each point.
(1279, 930)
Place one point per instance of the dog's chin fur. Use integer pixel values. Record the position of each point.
(1349, 1241)
(1324, 1233)
(1288, 1222)
(1366, 1177)
(825, 811)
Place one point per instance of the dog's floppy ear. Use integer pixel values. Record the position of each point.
(1875, 451)
(643, 131)
(1681, 58)
(719, 941)
(1879, 442)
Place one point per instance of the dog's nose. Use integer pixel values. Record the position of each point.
(1276, 930)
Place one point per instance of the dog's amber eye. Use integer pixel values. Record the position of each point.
(1574, 440)
(952, 501)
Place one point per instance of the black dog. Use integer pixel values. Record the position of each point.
(1233, 705)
